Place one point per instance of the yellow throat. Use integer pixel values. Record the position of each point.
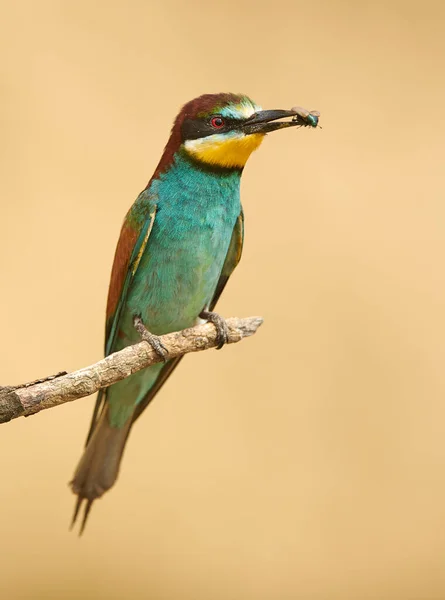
(224, 150)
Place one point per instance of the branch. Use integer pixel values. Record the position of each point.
(28, 399)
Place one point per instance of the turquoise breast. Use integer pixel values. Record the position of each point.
(181, 265)
(179, 270)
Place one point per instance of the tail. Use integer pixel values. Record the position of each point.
(99, 466)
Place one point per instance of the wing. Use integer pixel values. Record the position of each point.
(132, 242)
(232, 259)
(130, 248)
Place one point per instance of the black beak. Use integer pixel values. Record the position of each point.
(265, 121)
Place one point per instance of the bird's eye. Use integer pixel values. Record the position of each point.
(217, 122)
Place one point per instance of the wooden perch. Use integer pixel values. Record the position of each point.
(28, 399)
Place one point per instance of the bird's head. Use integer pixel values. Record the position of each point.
(221, 130)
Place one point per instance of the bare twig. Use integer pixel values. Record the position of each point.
(28, 399)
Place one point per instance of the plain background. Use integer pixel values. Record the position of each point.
(309, 461)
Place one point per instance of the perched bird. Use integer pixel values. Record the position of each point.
(178, 246)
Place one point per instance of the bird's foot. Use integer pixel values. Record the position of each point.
(222, 331)
(152, 339)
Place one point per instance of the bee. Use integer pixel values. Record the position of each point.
(305, 118)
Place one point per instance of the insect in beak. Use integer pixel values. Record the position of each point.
(305, 118)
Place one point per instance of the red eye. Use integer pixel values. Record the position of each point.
(217, 122)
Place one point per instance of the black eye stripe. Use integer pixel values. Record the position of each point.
(193, 129)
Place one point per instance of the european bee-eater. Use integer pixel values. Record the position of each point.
(178, 246)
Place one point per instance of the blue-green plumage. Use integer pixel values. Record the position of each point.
(196, 212)
(178, 246)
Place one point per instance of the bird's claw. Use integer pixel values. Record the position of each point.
(222, 331)
(152, 339)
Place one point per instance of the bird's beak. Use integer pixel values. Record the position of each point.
(265, 121)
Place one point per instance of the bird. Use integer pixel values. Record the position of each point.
(179, 243)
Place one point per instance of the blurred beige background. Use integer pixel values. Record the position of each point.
(308, 462)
